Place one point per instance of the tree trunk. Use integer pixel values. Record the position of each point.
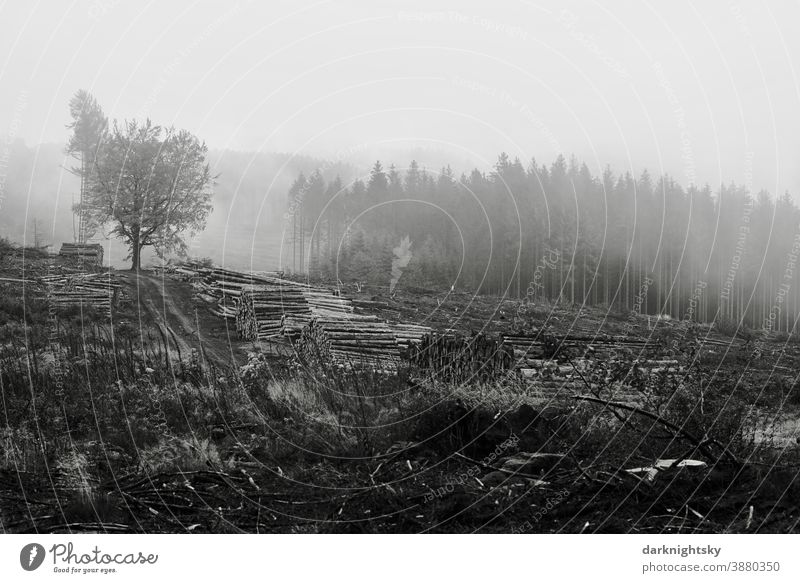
(136, 251)
(136, 264)
(81, 235)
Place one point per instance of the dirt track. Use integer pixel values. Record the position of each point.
(168, 303)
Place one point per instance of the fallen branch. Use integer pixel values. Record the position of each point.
(700, 445)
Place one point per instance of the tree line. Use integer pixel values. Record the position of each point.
(558, 233)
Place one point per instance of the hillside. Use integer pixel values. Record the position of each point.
(176, 425)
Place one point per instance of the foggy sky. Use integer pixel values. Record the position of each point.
(707, 91)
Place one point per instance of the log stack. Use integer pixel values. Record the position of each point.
(409, 335)
(99, 291)
(215, 275)
(194, 270)
(323, 302)
(88, 253)
(292, 325)
(360, 341)
(220, 288)
(261, 309)
(221, 295)
(282, 307)
(258, 300)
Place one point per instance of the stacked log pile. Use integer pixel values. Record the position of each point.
(88, 253)
(261, 309)
(292, 325)
(454, 358)
(100, 291)
(409, 335)
(257, 301)
(358, 341)
(274, 306)
(194, 270)
(322, 302)
(220, 288)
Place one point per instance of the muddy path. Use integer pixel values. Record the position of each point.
(169, 304)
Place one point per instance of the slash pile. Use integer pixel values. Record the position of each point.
(457, 358)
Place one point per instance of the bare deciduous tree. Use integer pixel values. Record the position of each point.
(153, 185)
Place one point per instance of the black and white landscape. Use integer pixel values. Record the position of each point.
(400, 267)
